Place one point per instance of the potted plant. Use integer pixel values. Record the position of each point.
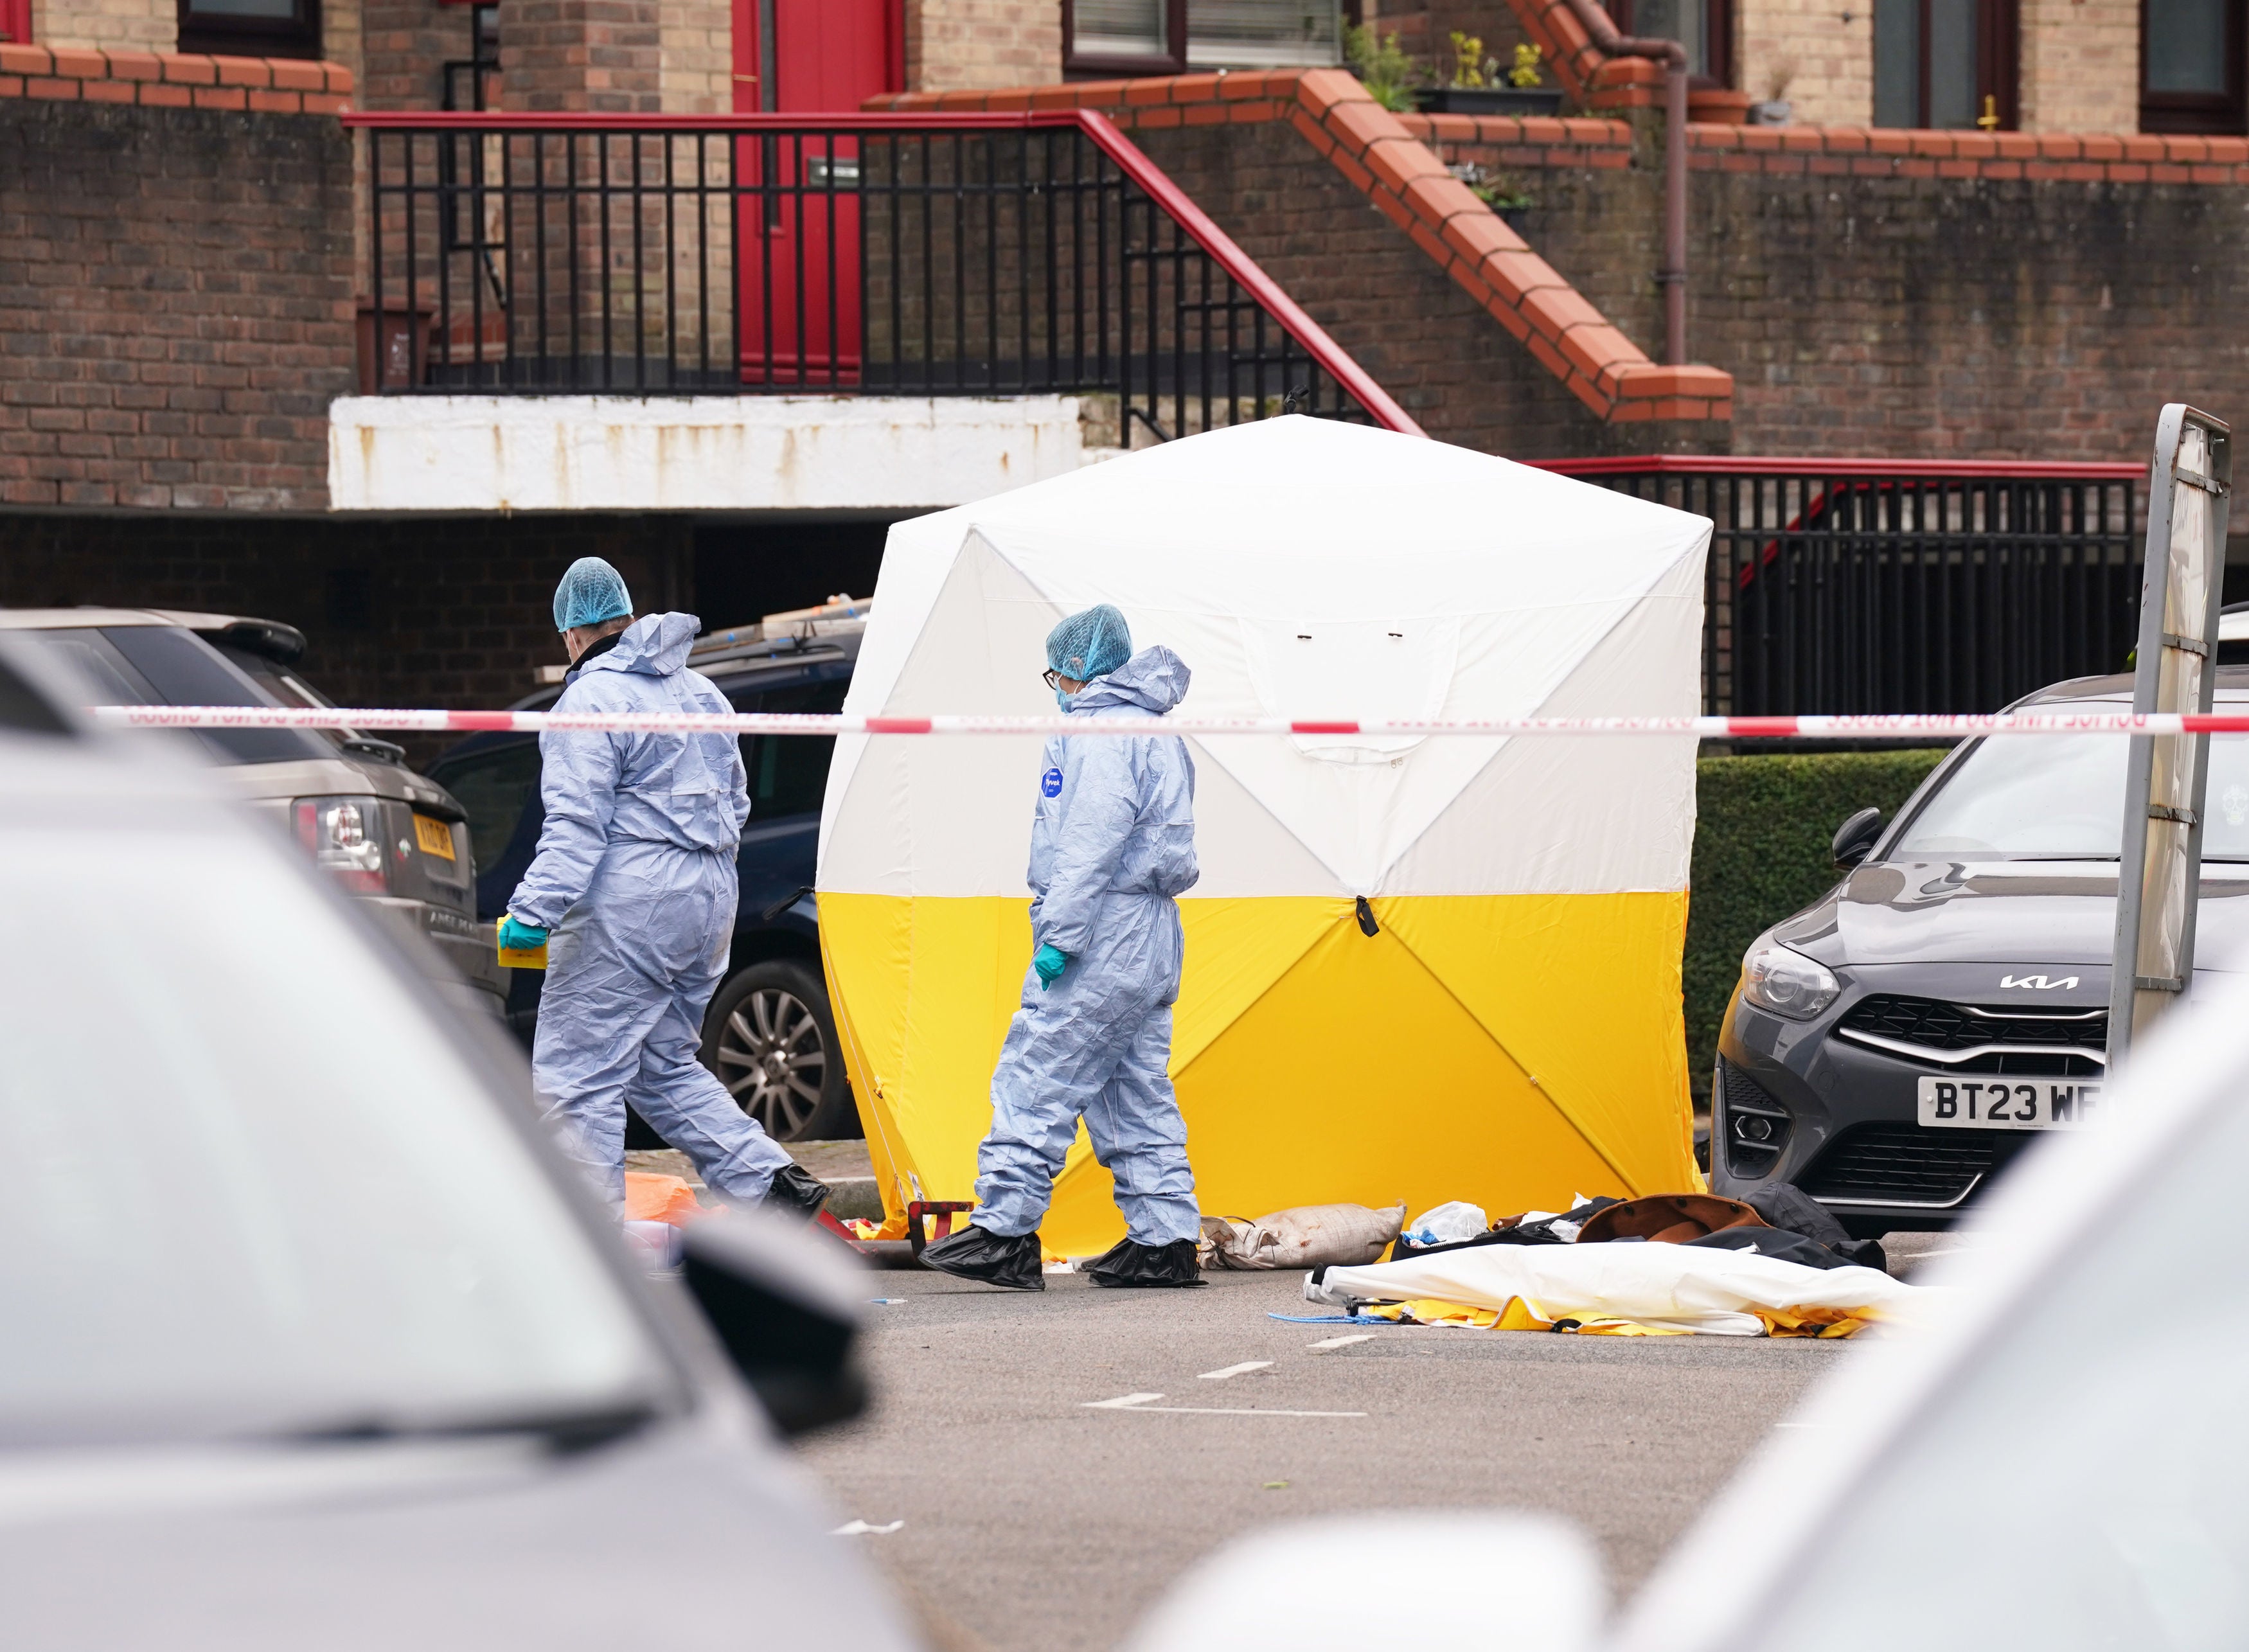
(1477, 86)
(1775, 110)
(1501, 191)
(1386, 72)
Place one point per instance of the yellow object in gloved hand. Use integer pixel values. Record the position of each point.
(521, 946)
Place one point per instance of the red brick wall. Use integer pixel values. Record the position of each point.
(175, 302)
(1921, 294)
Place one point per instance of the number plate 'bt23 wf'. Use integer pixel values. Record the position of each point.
(2007, 1104)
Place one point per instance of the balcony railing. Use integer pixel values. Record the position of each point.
(898, 255)
(1873, 585)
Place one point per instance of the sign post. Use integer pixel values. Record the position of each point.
(2159, 869)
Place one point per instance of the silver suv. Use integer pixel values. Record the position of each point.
(397, 841)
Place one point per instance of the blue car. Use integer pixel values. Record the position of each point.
(769, 1037)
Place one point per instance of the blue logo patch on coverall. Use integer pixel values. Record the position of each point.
(1050, 783)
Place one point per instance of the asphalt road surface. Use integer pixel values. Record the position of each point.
(1038, 1519)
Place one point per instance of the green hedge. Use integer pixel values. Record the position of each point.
(1762, 830)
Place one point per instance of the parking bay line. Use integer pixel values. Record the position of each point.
(1140, 1403)
(1243, 1369)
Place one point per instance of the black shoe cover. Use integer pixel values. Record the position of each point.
(1129, 1264)
(973, 1253)
(795, 1192)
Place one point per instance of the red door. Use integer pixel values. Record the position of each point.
(800, 271)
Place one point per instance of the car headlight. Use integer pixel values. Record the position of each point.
(1786, 983)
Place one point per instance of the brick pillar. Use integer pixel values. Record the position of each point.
(952, 44)
(602, 56)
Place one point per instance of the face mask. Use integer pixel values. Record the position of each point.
(1062, 699)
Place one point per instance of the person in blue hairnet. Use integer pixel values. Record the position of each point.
(1112, 843)
(632, 892)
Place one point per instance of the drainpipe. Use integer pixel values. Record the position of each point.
(1672, 277)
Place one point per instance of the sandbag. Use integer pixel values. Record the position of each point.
(1301, 1237)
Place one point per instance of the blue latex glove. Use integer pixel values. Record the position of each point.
(516, 937)
(1050, 962)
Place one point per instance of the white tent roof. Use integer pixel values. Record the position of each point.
(1304, 568)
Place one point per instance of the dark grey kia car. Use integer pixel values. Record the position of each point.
(1890, 1048)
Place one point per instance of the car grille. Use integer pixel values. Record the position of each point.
(2062, 1043)
(1908, 1164)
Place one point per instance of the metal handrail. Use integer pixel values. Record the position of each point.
(1741, 464)
(1226, 258)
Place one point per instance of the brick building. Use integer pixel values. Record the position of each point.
(203, 264)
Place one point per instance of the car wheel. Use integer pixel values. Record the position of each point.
(770, 1041)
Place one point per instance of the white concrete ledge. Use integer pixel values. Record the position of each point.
(699, 453)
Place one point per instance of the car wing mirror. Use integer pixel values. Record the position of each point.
(1344, 1585)
(784, 1303)
(1854, 838)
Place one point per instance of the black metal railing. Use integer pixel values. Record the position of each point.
(1870, 586)
(904, 255)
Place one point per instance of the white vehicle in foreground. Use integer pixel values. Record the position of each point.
(2055, 1460)
(310, 1339)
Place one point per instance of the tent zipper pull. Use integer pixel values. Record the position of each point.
(1366, 924)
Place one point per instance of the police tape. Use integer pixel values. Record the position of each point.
(1841, 729)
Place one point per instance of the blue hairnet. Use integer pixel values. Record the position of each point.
(1090, 645)
(590, 592)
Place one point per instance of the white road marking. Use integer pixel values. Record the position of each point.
(1243, 1369)
(1338, 1342)
(1139, 1403)
(861, 1529)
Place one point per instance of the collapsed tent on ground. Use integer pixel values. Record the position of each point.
(1509, 1033)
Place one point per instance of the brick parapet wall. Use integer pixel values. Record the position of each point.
(1389, 166)
(174, 80)
(175, 282)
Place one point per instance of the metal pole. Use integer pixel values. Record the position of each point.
(1672, 275)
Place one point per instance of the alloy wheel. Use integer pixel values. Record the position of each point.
(772, 1060)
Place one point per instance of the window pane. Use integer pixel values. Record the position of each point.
(1952, 100)
(2064, 795)
(264, 10)
(491, 788)
(2186, 46)
(1260, 34)
(1897, 63)
(788, 773)
(1118, 29)
(1680, 20)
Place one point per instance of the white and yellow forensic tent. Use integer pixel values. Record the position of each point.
(1511, 1032)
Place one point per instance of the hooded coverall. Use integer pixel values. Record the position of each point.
(1111, 843)
(634, 876)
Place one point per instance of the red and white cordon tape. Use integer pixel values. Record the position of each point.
(1902, 728)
